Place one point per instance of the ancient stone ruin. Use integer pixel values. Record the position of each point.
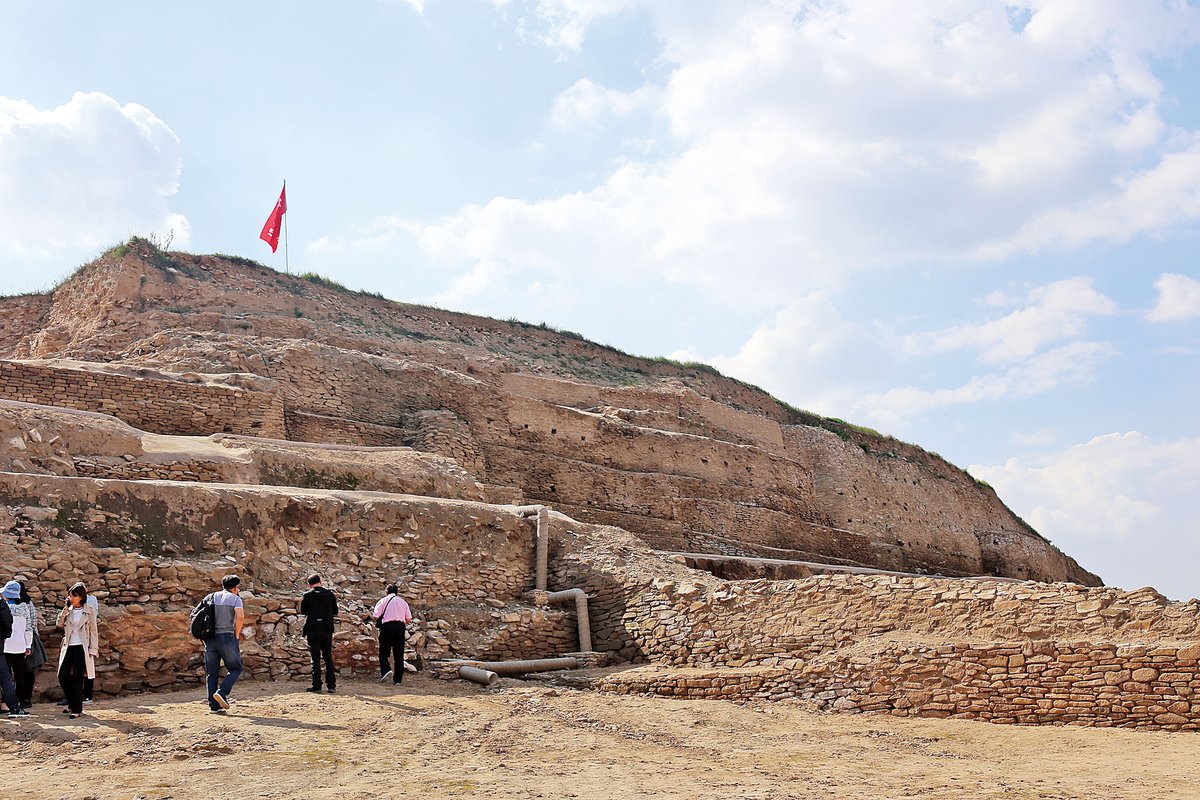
(168, 418)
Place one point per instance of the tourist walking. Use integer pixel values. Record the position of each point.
(19, 644)
(222, 647)
(80, 646)
(391, 614)
(319, 607)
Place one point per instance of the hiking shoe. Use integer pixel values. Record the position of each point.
(15, 714)
(87, 700)
(73, 715)
(313, 690)
(220, 700)
(332, 690)
(216, 711)
(387, 676)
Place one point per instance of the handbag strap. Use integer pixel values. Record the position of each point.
(386, 605)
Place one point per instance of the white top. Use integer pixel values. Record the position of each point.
(77, 629)
(22, 633)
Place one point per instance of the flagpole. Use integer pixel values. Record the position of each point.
(287, 264)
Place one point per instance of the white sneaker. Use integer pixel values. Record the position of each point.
(220, 700)
(387, 676)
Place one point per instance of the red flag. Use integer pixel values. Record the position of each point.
(270, 231)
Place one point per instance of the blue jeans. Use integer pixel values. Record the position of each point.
(7, 686)
(222, 648)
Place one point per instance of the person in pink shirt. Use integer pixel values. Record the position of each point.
(391, 614)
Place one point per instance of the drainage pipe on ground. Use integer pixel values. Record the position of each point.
(522, 667)
(483, 677)
(581, 614)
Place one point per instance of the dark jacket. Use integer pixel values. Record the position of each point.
(319, 607)
(6, 620)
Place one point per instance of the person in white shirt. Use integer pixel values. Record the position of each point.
(80, 646)
(17, 646)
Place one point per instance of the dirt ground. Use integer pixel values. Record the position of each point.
(439, 739)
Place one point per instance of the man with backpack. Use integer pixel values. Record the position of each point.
(218, 621)
(319, 607)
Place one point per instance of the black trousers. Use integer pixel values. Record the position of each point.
(71, 676)
(89, 688)
(22, 677)
(320, 646)
(391, 645)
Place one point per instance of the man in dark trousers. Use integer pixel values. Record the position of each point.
(319, 607)
(391, 614)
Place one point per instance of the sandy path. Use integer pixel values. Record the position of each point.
(437, 739)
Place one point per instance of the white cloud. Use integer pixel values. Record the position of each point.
(813, 140)
(1124, 503)
(1178, 298)
(85, 174)
(810, 355)
(567, 21)
(1054, 312)
(1070, 364)
(1164, 195)
(588, 103)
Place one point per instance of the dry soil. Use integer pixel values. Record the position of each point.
(439, 739)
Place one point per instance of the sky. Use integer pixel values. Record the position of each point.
(971, 225)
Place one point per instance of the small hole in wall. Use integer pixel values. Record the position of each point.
(583, 438)
(553, 489)
(553, 431)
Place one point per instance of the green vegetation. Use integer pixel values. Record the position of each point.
(695, 366)
(308, 478)
(242, 261)
(321, 280)
(154, 252)
(863, 429)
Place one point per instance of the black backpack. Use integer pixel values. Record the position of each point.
(204, 619)
(6, 620)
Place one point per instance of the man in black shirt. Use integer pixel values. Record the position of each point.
(319, 607)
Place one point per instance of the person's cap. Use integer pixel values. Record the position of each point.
(12, 591)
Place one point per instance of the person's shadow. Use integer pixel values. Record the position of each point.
(285, 722)
(381, 702)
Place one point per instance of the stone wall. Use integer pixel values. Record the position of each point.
(158, 406)
(151, 549)
(1001, 650)
(303, 427)
(447, 434)
(1034, 683)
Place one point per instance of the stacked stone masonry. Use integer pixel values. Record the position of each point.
(1100, 685)
(158, 406)
(150, 550)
